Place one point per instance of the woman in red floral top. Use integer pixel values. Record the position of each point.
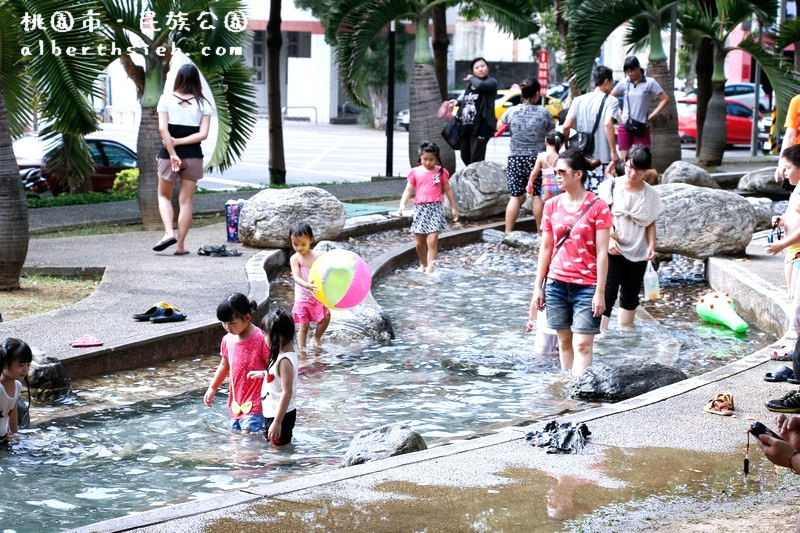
(573, 262)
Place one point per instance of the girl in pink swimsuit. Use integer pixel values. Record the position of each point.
(307, 308)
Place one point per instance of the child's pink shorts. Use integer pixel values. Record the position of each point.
(309, 311)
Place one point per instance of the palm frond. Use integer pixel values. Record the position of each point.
(516, 17)
(18, 92)
(788, 33)
(234, 96)
(783, 78)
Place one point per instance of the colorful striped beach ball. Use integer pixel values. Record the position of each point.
(342, 279)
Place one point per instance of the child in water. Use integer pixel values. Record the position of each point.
(243, 349)
(428, 181)
(279, 388)
(542, 182)
(306, 307)
(15, 361)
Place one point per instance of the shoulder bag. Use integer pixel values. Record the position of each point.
(584, 140)
(634, 127)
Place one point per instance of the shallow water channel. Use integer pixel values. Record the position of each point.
(460, 366)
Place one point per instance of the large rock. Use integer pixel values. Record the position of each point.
(47, 378)
(382, 442)
(683, 172)
(364, 321)
(700, 222)
(761, 181)
(763, 210)
(480, 189)
(615, 382)
(266, 217)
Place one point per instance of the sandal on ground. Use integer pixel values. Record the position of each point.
(218, 251)
(156, 310)
(173, 314)
(785, 356)
(781, 375)
(86, 341)
(721, 404)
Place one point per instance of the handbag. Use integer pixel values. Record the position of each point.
(584, 140)
(451, 133)
(634, 127)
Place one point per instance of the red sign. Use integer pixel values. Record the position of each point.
(542, 73)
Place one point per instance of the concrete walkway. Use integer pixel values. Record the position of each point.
(474, 480)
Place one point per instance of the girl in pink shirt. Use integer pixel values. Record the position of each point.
(428, 181)
(243, 350)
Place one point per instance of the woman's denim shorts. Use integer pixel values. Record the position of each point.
(569, 306)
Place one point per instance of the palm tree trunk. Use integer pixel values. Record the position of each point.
(14, 214)
(440, 43)
(664, 140)
(715, 131)
(277, 161)
(704, 68)
(148, 142)
(425, 101)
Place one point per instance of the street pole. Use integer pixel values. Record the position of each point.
(757, 97)
(673, 42)
(390, 106)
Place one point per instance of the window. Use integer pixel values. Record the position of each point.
(117, 156)
(258, 56)
(96, 154)
(298, 44)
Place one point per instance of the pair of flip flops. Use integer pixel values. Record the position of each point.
(784, 374)
(86, 341)
(721, 404)
(218, 251)
(783, 356)
(161, 312)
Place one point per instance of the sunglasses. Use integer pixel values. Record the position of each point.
(563, 171)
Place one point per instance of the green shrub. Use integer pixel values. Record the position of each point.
(127, 181)
(78, 199)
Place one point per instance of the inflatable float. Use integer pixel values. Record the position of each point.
(717, 308)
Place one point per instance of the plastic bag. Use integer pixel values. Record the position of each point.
(546, 342)
(651, 288)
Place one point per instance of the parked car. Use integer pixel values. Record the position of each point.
(744, 93)
(507, 98)
(109, 157)
(403, 118)
(739, 122)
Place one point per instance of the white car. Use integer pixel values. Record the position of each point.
(744, 93)
(403, 117)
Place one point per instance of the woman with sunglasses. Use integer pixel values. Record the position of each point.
(634, 205)
(573, 260)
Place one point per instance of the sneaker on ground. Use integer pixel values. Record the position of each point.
(788, 404)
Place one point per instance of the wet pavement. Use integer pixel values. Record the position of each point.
(647, 446)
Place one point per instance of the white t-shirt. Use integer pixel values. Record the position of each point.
(584, 110)
(271, 391)
(7, 404)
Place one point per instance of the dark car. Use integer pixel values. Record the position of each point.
(109, 157)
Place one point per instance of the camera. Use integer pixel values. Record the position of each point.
(757, 428)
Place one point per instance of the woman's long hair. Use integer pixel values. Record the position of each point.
(187, 81)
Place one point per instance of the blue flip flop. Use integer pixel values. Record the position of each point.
(168, 315)
(784, 374)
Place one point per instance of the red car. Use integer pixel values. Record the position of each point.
(739, 121)
(108, 157)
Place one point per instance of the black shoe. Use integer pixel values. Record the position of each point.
(788, 404)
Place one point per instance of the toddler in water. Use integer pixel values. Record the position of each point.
(430, 180)
(306, 307)
(243, 349)
(15, 361)
(279, 388)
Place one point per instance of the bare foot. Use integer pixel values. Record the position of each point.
(421, 268)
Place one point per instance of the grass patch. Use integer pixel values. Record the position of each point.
(77, 199)
(40, 294)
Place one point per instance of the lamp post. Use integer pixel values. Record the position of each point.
(390, 106)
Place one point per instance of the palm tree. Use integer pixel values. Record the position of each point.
(592, 21)
(227, 76)
(715, 24)
(61, 82)
(351, 25)
(277, 161)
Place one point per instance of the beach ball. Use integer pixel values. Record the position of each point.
(342, 278)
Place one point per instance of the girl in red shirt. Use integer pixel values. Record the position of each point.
(573, 262)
